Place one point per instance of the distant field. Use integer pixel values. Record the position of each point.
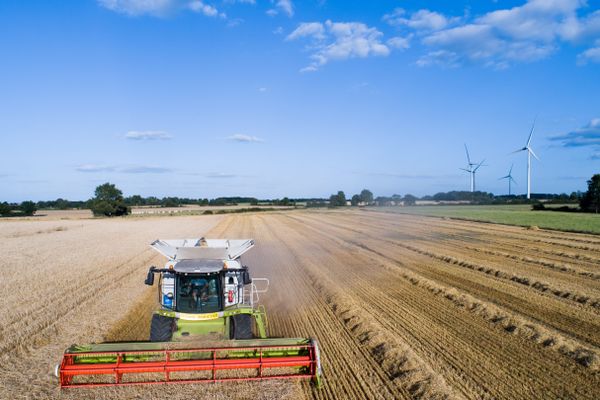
(520, 215)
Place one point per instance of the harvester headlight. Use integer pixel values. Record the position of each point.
(170, 295)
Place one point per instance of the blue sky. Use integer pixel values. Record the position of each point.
(272, 98)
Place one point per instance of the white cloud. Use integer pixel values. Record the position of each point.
(442, 58)
(526, 33)
(144, 169)
(231, 23)
(315, 30)
(136, 169)
(139, 7)
(286, 6)
(148, 135)
(587, 136)
(278, 30)
(94, 168)
(339, 41)
(202, 8)
(422, 19)
(541, 20)
(480, 43)
(220, 175)
(399, 42)
(245, 139)
(590, 55)
(160, 7)
(262, 89)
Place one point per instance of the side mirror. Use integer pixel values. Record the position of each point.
(246, 277)
(150, 277)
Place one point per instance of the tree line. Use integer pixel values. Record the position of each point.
(108, 200)
(588, 201)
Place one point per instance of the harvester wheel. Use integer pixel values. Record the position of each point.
(161, 328)
(242, 326)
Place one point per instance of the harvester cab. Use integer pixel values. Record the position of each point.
(205, 291)
(209, 327)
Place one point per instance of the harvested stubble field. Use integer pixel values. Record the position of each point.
(403, 306)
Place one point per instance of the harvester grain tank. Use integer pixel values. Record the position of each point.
(209, 327)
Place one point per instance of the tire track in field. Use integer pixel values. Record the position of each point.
(293, 322)
(579, 240)
(560, 317)
(544, 287)
(406, 366)
(407, 377)
(397, 313)
(513, 234)
(576, 288)
(58, 307)
(484, 231)
(512, 254)
(349, 379)
(515, 251)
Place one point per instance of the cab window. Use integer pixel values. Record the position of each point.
(198, 293)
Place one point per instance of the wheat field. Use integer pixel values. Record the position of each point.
(403, 306)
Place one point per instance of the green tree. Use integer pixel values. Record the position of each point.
(591, 199)
(337, 200)
(61, 204)
(170, 202)
(5, 209)
(366, 196)
(409, 200)
(28, 207)
(108, 201)
(136, 200)
(355, 200)
(333, 200)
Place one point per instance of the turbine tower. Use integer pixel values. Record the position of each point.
(471, 168)
(529, 154)
(510, 178)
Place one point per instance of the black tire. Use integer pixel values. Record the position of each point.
(241, 326)
(161, 328)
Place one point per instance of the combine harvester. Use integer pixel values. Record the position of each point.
(204, 331)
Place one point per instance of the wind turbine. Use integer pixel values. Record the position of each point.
(529, 154)
(471, 168)
(510, 178)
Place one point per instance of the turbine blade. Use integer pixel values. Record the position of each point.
(531, 133)
(510, 170)
(533, 154)
(466, 170)
(479, 165)
(515, 182)
(518, 150)
(467, 151)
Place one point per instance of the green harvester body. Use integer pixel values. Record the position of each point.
(209, 322)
